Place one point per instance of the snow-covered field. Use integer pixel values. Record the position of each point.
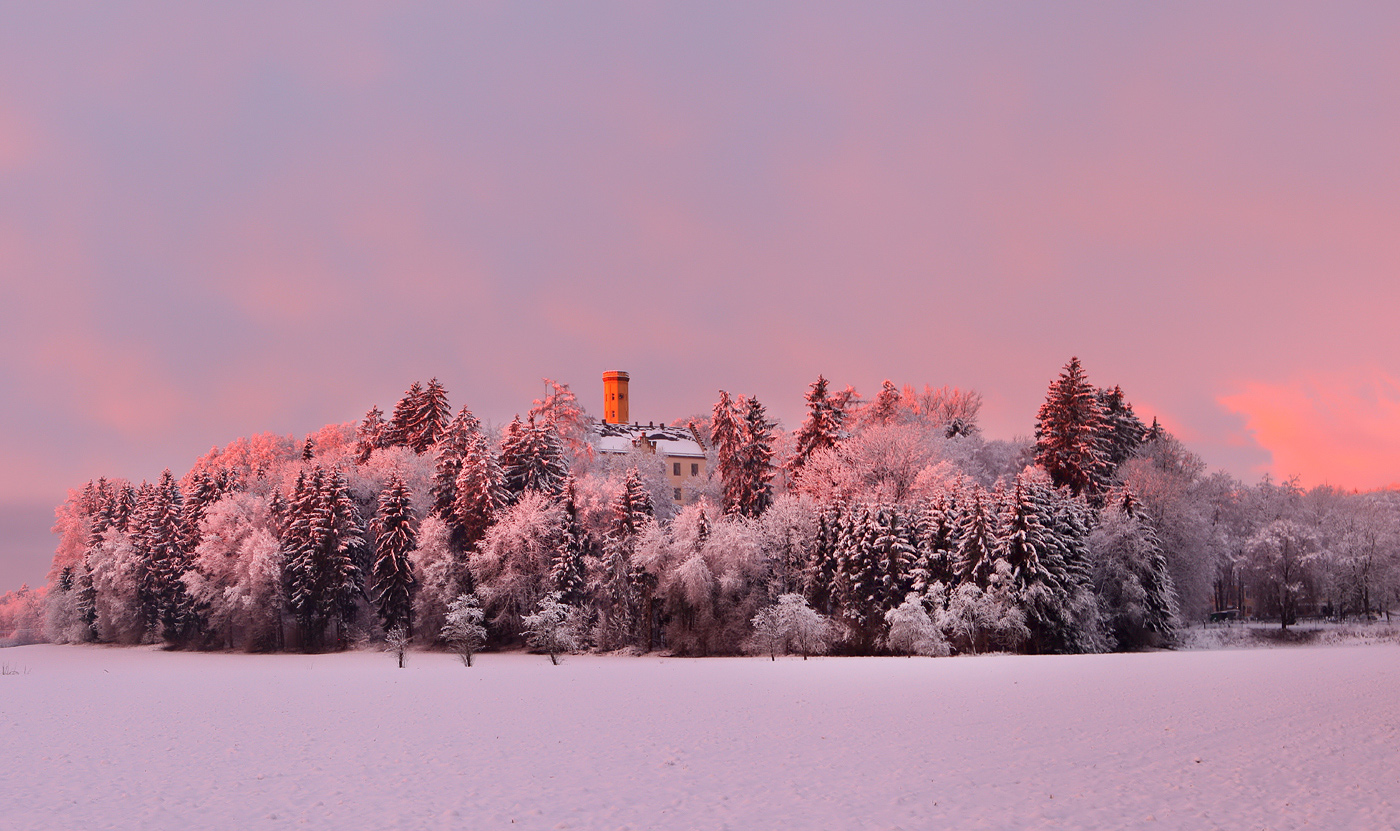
(98, 737)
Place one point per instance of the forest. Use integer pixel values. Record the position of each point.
(881, 525)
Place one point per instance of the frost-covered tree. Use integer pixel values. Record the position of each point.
(464, 630)
(1123, 431)
(167, 607)
(237, 572)
(1131, 580)
(396, 642)
(790, 625)
(755, 489)
(394, 537)
(912, 631)
(1069, 433)
(1279, 554)
(552, 628)
(428, 418)
(441, 575)
(512, 565)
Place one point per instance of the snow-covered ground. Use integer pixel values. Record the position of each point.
(98, 737)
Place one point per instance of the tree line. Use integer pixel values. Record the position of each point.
(887, 525)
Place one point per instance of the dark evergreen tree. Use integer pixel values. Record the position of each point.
(323, 576)
(166, 605)
(372, 434)
(1123, 431)
(399, 431)
(1069, 434)
(394, 538)
(859, 586)
(895, 554)
(755, 492)
(885, 408)
(937, 544)
(568, 572)
(428, 418)
(821, 429)
(976, 535)
(479, 494)
(452, 445)
(532, 458)
(727, 437)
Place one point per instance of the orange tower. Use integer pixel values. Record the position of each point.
(615, 397)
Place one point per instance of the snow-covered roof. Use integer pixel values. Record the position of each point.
(668, 441)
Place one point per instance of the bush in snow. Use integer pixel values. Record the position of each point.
(912, 631)
(396, 642)
(463, 630)
(553, 628)
(790, 625)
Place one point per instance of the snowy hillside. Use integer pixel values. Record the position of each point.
(100, 737)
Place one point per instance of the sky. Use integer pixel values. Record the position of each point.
(216, 222)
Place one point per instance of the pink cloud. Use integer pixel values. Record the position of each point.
(1335, 429)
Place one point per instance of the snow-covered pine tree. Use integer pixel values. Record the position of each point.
(323, 576)
(859, 587)
(568, 572)
(821, 570)
(452, 445)
(756, 470)
(1131, 580)
(532, 459)
(400, 427)
(479, 495)
(394, 538)
(937, 543)
(371, 435)
(885, 408)
(1069, 434)
(821, 429)
(632, 509)
(727, 438)
(167, 607)
(1123, 431)
(976, 536)
(428, 418)
(895, 554)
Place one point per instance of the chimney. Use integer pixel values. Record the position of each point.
(615, 397)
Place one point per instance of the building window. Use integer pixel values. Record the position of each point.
(695, 469)
(678, 494)
(675, 468)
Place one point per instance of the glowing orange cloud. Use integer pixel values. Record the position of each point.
(1342, 430)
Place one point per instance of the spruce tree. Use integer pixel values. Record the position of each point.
(1123, 431)
(755, 492)
(895, 554)
(976, 534)
(452, 445)
(727, 437)
(885, 408)
(399, 430)
(371, 435)
(394, 538)
(821, 429)
(568, 572)
(1069, 434)
(532, 459)
(479, 494)
(428, 417)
